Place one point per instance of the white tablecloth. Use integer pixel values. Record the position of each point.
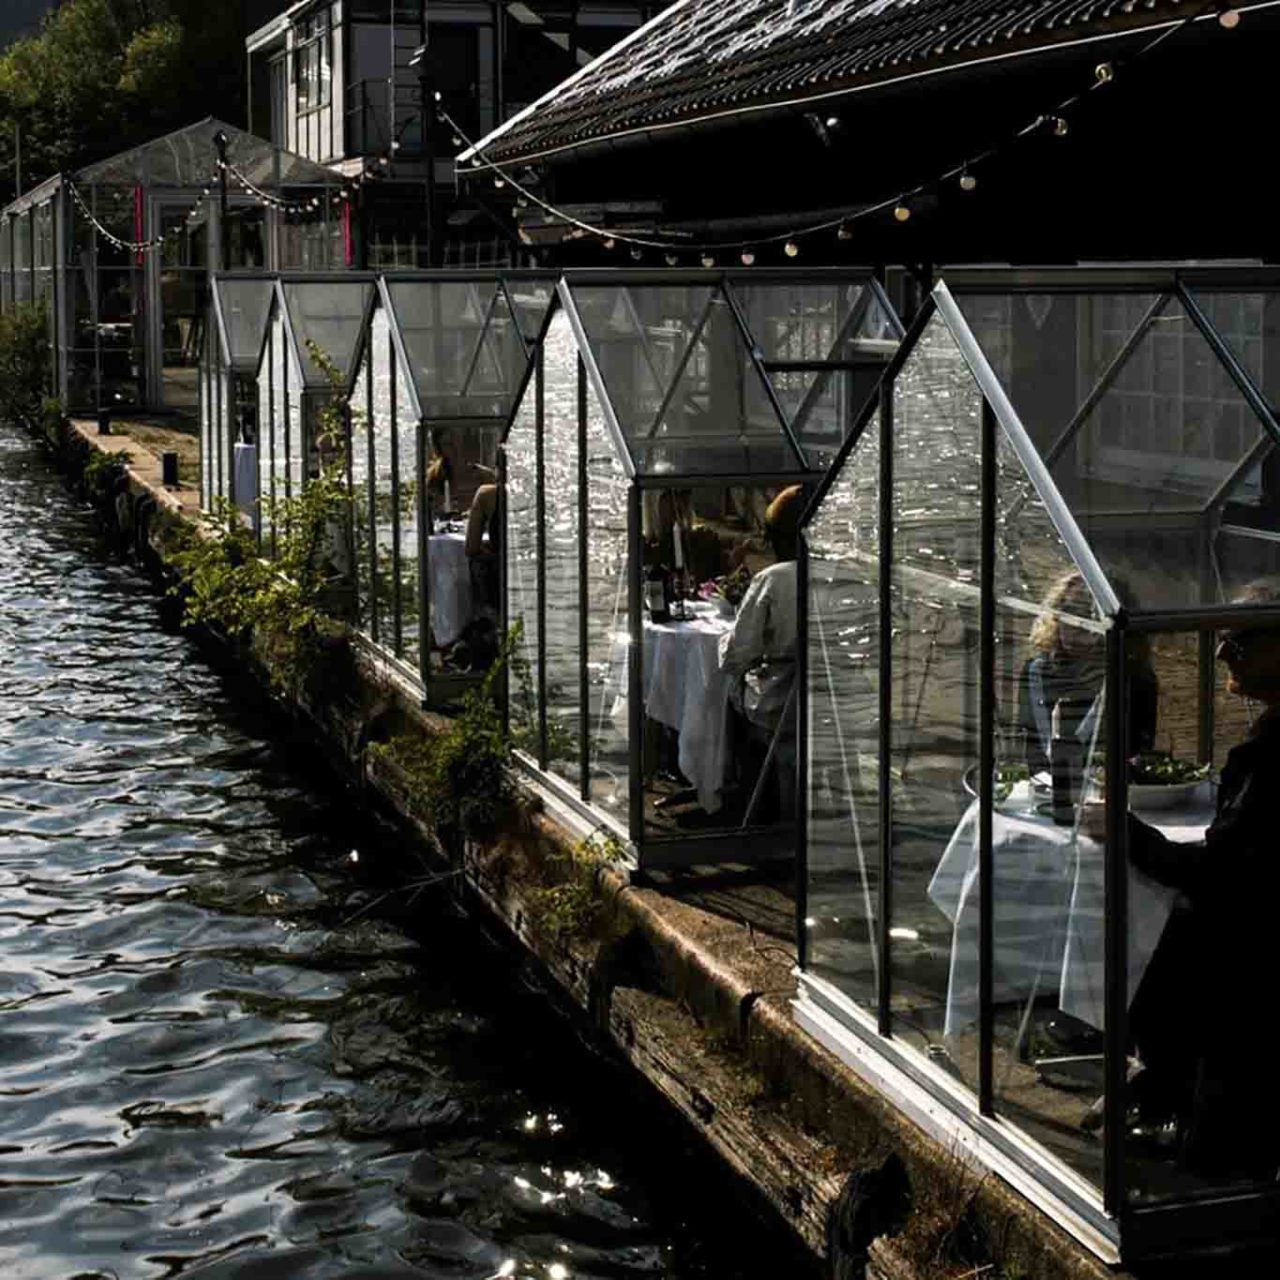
(685, 689)
(1048, 897)
(244, 477)
(448, 586)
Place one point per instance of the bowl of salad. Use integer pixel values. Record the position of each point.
(1158, 780)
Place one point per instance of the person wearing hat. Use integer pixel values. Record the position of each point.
(759, 653)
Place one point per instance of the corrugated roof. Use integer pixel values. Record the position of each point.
(702, 59)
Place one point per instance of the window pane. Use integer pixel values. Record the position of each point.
(522, 572)
(844, 722)
(935, 506)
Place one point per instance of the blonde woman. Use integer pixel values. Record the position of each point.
(1067, 671)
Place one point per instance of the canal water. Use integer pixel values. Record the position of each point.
(222, 1052)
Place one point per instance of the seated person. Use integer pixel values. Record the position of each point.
(1198, 1017)
(1067, 669)
(451, 482)
(760, 652)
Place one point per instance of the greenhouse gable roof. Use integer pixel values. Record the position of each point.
(189, 158)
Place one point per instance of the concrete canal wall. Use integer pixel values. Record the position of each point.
(687, 982)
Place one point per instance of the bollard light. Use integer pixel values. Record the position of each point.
(169, 468)
(104, 422)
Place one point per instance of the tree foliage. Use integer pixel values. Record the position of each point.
(103, 75)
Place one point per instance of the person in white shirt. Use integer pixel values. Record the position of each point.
(759, 654)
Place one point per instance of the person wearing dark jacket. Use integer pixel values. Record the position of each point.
(1200, 1018)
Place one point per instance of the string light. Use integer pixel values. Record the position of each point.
(1104, 73)
(707, 259)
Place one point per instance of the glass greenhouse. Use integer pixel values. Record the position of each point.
(1038, 582)
(127, 324)
(445, 357)
(312, 322)
(234, 332)
(653, 475)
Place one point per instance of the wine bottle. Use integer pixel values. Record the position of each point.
(657, 592)
(1066, 762)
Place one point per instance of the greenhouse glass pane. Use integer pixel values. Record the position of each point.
(1169, 437)
(1050, 728)
(382, 354)
(935, 691)
(530, 300)
(844, 727)
(207, 487)
(361, 472)
(407, 525)
(329, 313)
(1249, 324)
(1050, 350)
(522, 569)
(560, 354)
(608, 634)
(680, 379)
(244, 306)
(464, 348)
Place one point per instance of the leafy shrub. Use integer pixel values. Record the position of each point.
(26, 363)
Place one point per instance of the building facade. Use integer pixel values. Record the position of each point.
(352, 84)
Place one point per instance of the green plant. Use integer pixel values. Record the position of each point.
(26, 363)
(459, 780)
(104, 471)
(569, 908)
(288, 600)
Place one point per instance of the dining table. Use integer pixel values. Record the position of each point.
(448, 585)
(1049, 927)
(685, 689)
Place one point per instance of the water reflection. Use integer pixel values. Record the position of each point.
(218, 1057)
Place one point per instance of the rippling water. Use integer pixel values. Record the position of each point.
(219, 1053)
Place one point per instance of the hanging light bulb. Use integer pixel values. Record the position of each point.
(844, 232)
(748, 258)
(1060, 127)
(671, 260)
(1104, 73)
(499, 183)
(637, 253)
(901, 211)
(609, 242)
(707, 260)
(791, 249)
(1229, 18)
(967, 180)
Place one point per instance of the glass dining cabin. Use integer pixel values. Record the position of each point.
(1041, 588)
(444, 359)
(313, 334)
(654, 472)
(228, 383)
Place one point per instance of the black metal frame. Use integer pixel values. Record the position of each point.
(1138, 1230)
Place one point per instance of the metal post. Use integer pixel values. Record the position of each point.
(371, 494)
(883, 1014)
(986, 762)
(584, 686)
(1115, 921)
(224, 226)
(802, 751)
(635, 680)
(424, 558)
(541, 553)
